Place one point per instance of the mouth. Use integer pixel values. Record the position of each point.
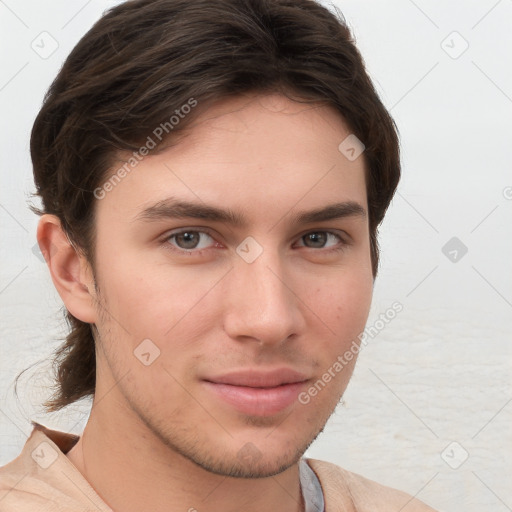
(258, 393)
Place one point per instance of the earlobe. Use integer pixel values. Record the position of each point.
(70, 271)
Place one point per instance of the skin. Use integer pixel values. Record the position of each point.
(157, 439)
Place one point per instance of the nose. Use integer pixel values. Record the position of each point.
(260, 302)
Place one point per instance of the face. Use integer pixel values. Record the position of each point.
(221, 304)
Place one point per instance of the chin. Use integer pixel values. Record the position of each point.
(250, 467)
(254, 460)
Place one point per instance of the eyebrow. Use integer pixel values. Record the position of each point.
(172, 208)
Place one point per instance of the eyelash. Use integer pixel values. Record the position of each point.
(169, 237)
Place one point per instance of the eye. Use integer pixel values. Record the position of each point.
(319, 239)
(189, 240)
(194, 241)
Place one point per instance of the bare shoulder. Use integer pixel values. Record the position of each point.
(347, 491)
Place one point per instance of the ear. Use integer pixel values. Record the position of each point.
(70, 271)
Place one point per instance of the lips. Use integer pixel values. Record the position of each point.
(259, 379)
(257, 393)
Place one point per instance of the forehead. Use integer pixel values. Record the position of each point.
(272, 122)
(261, 154)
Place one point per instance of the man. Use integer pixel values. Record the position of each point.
(212, 176)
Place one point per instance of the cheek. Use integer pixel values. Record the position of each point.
(353, 304)
(345, 310)
(160, 301)
(347, 297)
(343, 304)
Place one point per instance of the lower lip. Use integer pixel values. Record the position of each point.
(257, 401)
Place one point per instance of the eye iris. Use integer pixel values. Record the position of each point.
(317, 237)
(188, 237)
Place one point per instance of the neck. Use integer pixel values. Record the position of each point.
(132, 470)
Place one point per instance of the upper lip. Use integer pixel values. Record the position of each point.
(259, 379)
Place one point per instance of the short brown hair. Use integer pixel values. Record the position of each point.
(146, 58)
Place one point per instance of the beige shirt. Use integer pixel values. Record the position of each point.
(43, 479)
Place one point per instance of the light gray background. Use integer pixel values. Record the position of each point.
(440, 372)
